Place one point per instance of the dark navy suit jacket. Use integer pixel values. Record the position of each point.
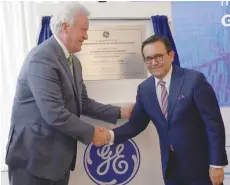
(194, 125)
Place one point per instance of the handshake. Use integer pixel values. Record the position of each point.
(101, 136)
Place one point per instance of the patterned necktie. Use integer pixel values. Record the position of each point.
(70, 61)
(164, 98)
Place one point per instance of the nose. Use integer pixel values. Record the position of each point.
(86, 36)
(154, 62)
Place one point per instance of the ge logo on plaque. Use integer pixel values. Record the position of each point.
(116, 164)
(105, 34)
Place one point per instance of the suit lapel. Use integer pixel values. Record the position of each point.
(78, 78)
(177, 80)
(154, 100)
(64, 63)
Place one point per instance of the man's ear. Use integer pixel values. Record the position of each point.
(172, 54)
(64, 27)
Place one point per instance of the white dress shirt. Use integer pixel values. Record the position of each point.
(66, 52)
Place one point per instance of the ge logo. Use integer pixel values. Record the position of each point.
(106, 34)
(226, 20)
(116, 164)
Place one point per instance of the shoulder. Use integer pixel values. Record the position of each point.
(146, 84)
(44, 51)
(43, 55)
(189, 74)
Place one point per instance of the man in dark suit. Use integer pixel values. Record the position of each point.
(183, 107)
(50, 97)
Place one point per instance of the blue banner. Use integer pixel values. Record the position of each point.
(202, 37)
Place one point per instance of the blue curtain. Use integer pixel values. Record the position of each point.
(161, 28)
(45, 32)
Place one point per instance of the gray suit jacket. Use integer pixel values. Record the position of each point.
(45, 125)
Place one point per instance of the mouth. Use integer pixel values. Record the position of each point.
(156, 68)
(80, 42)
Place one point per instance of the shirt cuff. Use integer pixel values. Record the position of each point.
(216, 166)
(111, 142)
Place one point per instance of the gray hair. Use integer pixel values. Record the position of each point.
(66, 15)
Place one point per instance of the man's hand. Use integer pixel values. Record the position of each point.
(126, 112)
(101, 136)
(216, 175)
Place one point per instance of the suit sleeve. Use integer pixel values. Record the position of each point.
(43, 81)
(97, 110)
(208, 107)
(138, 121)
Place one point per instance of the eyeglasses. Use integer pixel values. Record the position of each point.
(157, 58)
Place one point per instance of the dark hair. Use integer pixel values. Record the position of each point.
(156, 38)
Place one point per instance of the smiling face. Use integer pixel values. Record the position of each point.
(75, 34)
(158, 59)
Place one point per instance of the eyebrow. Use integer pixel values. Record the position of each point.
(158, 54)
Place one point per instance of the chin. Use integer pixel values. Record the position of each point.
(157, 75)
(77, 50)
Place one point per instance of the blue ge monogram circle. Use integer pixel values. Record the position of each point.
(112, 165)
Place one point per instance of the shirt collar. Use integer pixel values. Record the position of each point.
(66, 52)
(166, 79)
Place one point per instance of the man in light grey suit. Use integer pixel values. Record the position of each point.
(50, 97)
